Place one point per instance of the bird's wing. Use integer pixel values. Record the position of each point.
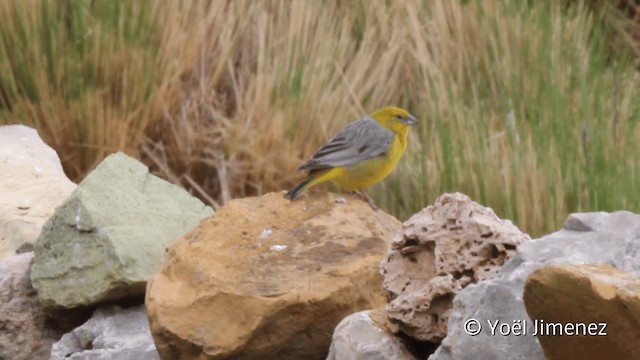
(361, 140)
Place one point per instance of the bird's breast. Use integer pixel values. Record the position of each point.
(371, 171)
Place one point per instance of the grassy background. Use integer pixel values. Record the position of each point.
(530, 107)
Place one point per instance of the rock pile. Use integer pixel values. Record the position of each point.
(101, 242)
(442, 249)
(127, 266)
(610, 238)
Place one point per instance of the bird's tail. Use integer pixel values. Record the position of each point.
(298, 189)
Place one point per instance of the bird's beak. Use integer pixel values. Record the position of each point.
(410, 120)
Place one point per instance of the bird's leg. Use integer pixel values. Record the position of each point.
(366, 197)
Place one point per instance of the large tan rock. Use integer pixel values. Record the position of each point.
(442, 249)
(570, 295)
(268, 278)
(33, 185)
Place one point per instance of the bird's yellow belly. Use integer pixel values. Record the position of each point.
(370, 171)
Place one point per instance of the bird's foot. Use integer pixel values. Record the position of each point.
(366, 197)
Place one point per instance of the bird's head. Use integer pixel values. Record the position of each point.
(394, 119)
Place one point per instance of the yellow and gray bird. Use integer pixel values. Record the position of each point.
(361, 154)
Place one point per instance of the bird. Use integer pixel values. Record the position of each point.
(363, 153)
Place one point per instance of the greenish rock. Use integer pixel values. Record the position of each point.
(107, 239)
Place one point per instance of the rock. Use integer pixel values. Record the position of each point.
(33, 184)
(268, 278)
(442, 249)
(24, 334)
(586, 238)
(605, 300)
(107, 239)
(365, 335)
(112, 333)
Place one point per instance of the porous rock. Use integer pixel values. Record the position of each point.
(605, 300)
(442, 249)
(112, 333)
(33, 184)
(268, 278)
(24, 332)
(107, 239)
(612, 238)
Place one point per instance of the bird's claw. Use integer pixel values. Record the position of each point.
(366, 197)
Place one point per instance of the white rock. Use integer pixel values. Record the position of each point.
(33, 184)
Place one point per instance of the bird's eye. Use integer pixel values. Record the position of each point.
(399, 117)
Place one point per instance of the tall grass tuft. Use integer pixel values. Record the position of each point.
(528, 113)
(82, 72)
(524, 105)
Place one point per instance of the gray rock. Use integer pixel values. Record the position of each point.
(359, 336)
(585, 238)
(108, 237)
(112, 333)
(23, 334)
(33, 185)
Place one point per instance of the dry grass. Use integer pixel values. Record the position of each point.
(85, 83)
(523, 105)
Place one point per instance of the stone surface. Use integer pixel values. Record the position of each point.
(366, 335)
(586, 238)
(33, 185)
(23, 330)
(107, 239)
(269, 278)
(442, 249)
(112, 333)
(588, 294)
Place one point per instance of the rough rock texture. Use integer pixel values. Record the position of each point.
(442, 249)
(598, 294)
(112, 333)
(109, 236)
(586, 238)
(23, 331)
(268, 278)
(33, 185)
(365, 335)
